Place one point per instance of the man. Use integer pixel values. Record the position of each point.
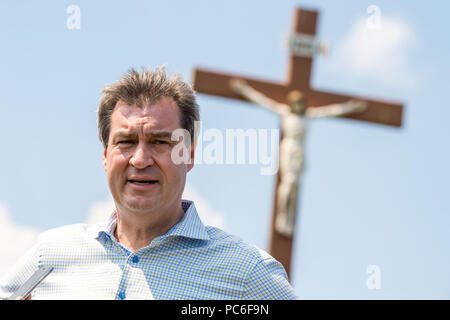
(154, 245)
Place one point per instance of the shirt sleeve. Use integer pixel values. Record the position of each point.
(268, 281)
(19, 273)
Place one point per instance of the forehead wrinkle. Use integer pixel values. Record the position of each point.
(147, 119)
(142, 128)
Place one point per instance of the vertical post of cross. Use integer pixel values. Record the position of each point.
(298, 78)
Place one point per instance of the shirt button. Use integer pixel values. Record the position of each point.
(135, 259)
(122, 295)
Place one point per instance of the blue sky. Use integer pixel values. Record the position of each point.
(371, 195)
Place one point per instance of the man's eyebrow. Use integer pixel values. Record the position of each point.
(124, 135)
(159, 134)
(151, 135)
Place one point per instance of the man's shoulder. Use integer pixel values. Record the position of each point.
(236, 246)
(68, 232)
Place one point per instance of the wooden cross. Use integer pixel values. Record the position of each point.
(299, 74)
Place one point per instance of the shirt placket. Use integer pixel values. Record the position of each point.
(125, 256)
(130, 262)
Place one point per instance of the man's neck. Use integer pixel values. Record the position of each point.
(137, 230)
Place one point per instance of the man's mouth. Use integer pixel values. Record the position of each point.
(142, 182)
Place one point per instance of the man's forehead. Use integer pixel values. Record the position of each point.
(145, 108)
(163, 114)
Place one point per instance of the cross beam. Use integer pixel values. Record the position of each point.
(298, 78)
(378, 111)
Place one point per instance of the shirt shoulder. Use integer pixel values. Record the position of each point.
(233, 243)
(69, 238)
(70, 247)
(265, 277)
(80, 230)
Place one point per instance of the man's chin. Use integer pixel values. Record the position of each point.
(140, 205)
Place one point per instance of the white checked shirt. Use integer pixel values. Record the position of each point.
(190, 261)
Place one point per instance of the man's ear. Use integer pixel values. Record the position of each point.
(190, 165)
(104, 158)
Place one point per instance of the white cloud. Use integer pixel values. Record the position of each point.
(207, 213)
(100, 211)
(15, 239)
(381, 53)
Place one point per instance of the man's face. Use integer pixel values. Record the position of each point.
(141, 174)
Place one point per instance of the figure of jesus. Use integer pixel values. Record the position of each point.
(294, 117)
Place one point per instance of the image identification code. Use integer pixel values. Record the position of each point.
(241, 309)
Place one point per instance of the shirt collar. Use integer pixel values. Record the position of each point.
(190, 226)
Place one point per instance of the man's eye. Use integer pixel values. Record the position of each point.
(160, 142)
(125, 142)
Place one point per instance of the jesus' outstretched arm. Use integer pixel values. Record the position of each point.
(337, 110)
(241, 87)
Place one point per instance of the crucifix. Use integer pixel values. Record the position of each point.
(295, 101)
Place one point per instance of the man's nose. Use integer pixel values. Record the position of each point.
(142, 156)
